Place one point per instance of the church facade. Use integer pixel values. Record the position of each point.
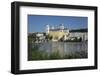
(57, 32)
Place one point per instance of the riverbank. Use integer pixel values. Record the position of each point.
(57, 50)
(41, 55)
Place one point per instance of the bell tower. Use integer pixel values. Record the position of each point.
(47, 28)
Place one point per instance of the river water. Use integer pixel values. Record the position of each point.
(63, 47)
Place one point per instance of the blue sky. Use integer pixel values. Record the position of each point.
(37, 23)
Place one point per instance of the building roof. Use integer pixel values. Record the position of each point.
(57, 29)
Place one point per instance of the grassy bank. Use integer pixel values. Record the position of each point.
(40, 55)
(34, 53)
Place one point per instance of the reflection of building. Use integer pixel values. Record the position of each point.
(57, 32)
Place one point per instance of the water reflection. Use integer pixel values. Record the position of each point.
(63, 47)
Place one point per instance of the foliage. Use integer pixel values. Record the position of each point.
(48, 37)
(42, 55)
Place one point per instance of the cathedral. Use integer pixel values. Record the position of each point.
(57, 32)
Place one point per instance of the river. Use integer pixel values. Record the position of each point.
(64, 47)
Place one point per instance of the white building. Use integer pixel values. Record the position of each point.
(83, 34)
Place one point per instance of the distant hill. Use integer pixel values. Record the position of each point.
(79, 30)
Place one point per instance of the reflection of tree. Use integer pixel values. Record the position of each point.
(31, 39)
(29, 48)
(80, 39)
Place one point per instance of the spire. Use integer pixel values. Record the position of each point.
(47, 28)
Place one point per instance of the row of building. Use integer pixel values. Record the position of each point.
(61, 33)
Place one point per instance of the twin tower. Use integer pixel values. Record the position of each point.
(57, 28)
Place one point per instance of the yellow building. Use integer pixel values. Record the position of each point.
(57, 33)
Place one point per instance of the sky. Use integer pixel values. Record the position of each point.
(37, 23)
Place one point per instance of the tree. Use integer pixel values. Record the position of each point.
(48, 37)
